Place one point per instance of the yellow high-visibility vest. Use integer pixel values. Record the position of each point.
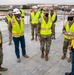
(72, 43)
(53, 17)
(35, 18)
(42, 14)
(0, 41)
(17, 29)
(46, 27)
(22, 12)
(8, 18)
(38, 11)
(69, 29)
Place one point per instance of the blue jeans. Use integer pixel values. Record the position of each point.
(73, 63)
(20, 40)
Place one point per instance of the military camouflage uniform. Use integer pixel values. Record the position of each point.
(66, 42)
(1, 53)
(33, 28)
(45, 40)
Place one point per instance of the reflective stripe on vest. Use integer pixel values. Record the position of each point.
(22, 12)
(35, 18)
(53, 17)
(17, 29)
(46, 27)
(70, 30)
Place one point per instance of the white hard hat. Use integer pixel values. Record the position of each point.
(11, 7)
(16, 11)
(21, 6)
(34, 7)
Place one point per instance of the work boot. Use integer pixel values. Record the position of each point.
(3, 69)
(46, 57)
(64, 56)
(68, 73)
(70, 59)
(18, 60)
(42, 55)
(0, 74)
(26, 56)
(32, 39)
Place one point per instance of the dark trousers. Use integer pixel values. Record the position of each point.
(72, 61)
(20, 40)
(1, 56)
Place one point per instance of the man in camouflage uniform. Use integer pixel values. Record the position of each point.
(1, 55)
(34, 19)
(45, 33)
(68, 31)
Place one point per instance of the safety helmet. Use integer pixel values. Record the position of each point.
(11, 7)
(21, 7)
(16, 11)
(34, 7)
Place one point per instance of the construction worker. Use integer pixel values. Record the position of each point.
(1, 55)
(17, 29)
(68, 31)
(22, 11)
(45, 33)
(34, 19)
(7, 20)
(53, 17)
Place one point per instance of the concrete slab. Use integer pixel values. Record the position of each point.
(35, 65)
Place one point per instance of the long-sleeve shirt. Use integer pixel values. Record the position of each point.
(6, 20)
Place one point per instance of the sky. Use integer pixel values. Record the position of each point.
(16, 2)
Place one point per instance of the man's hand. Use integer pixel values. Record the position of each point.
(69, 47)
(69, 34)
(52, 36)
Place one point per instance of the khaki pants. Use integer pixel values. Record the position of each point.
(45, 43)
(10, 36)
(34, 30)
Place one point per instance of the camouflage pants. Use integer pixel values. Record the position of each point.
(34, 30)
(1, 56)
(45, 43)
(66, 43)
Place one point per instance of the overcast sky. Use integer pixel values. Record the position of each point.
(7, 2)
